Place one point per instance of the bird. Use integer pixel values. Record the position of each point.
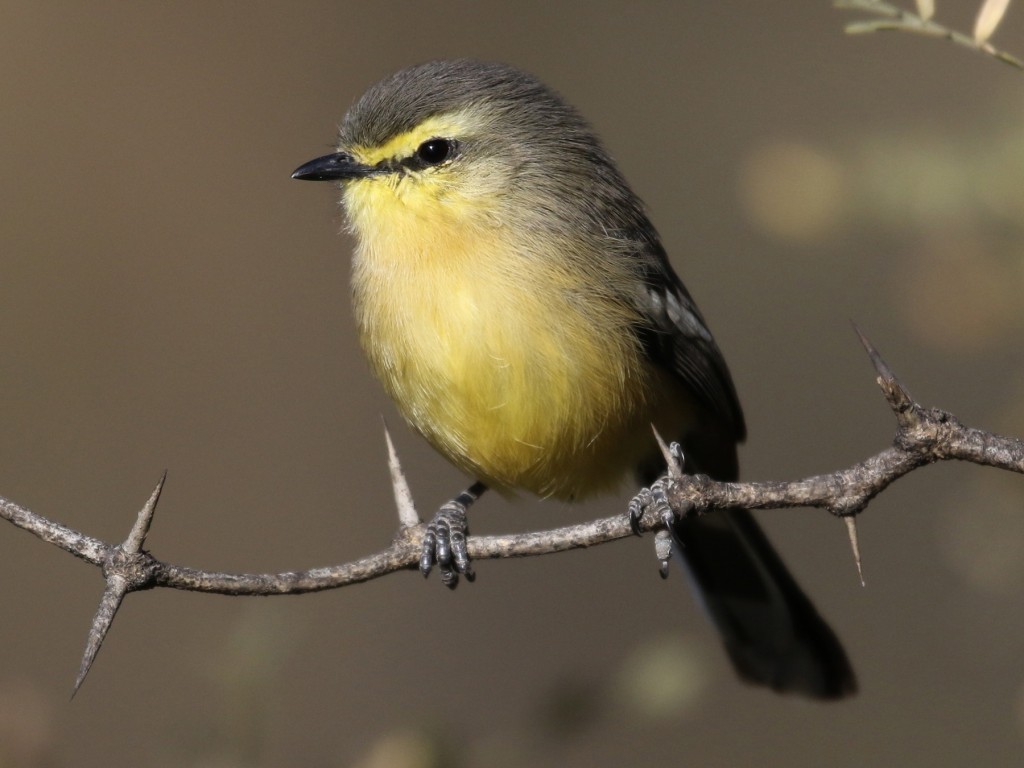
(516, 302)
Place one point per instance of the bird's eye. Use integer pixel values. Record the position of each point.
(435, 151)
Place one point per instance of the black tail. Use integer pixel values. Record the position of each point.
(772, 633)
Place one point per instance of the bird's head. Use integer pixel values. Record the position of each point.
(465, 143)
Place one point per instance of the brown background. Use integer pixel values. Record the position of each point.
(169, 298)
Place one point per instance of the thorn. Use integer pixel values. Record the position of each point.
(662, 445)
(895, 393)
(407, 515)
(137, 536)
(119, 583)
(851, 530)
(673, 455)
(876, 359)
(116, 589)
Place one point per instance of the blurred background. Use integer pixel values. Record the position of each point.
(171, 299)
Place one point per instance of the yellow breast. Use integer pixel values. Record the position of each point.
(506, 357)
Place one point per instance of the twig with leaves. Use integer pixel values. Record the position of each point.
(891, 17)
(923, 436)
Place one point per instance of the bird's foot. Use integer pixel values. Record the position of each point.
(655, 500)
(444, 543)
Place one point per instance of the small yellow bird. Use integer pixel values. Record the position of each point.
(516, 302)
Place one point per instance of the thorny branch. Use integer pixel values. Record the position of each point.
(923, 436)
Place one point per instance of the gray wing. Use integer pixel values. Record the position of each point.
(677, 339)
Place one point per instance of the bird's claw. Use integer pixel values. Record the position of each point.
(637, 506)
(676, 460)
(663, 551)
(655, 500)
(444, 544)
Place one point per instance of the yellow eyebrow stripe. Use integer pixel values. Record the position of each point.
(451, 125)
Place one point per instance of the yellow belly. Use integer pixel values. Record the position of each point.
(509, 366)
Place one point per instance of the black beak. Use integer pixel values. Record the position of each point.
(337, 166)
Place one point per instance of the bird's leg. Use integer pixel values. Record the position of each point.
(655, 500)
(444, 542)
